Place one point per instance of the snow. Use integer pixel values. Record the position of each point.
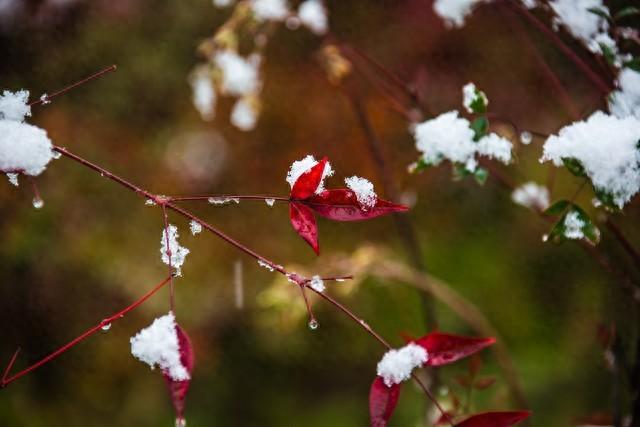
(204, 94)
(158, 345)
(313, 15)
(195, 226)
(581, 23)
(317, 284)
(301, 166)
(270, 10)
(244, 114)
(363, 190)
(14, 105)
(265, 264)
(396, 365)
(454, 12)
(222, 3)
(626, 101)
(573, 226)
(24, 148)
(530, 4)
(449, 137)
(469, 94)
(270, 202)
(239, 75)
(13, 179)
(607, 148)
(532, 196)
(178, 253)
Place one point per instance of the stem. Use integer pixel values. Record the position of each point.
(6, 381)
(62, 91)
(225, 196)
(165, 219)
(598, 81)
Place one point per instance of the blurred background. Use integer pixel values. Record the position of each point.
(93, 247)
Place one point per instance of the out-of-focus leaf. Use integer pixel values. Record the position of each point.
(495, 419)
(382, 402)
(627, 11)
(600, 12)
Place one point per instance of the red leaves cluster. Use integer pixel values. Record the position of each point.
(338, 205)
(442, 349)
(178, 389)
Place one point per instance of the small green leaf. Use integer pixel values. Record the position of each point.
(557, 208)
(600, 12)
(481, 175)
(574, 166)
(460, 171)
(608, 53)
(634, 64)
(627, 11)
(590, 231)
(480, 127)
(479, 103)
(607, 199)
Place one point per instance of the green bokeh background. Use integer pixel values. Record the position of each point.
(93, 248)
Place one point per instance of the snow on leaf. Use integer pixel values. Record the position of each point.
(495, 419)
(343, 205)
(178, 388)
(304, 222)
(382, 402)
(308, 182)
(446, 348)
(397, 365)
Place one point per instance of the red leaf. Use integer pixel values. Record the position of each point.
(307, 183)
(304, 222)
(382, 402)
(342, 205)
(495, 419)
(178, 389)
(446, 348)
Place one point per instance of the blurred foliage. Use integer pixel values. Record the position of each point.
(93, 248)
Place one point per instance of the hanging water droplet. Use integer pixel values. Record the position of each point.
(38, 203)
(270, 202)
(181, 422)
(545, 237)
(56, 155)
(526, 137)
(149, 202)
(313, 324)
(106, 326)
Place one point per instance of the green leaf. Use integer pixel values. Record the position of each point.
(479, 103)
(480, 127)
(608, 53)
(590, 231)
(607, 199)
(634, 64)
(481, 175)
(600, 12)
(627, 11)
(460, 171)
(557, 208)
(574, 166)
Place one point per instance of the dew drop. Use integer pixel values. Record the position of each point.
(313, 324)
(149, 202)
(545, 237)
(526, 137)
(56, 154)
(38, 203)
(106, 326)
(270, 202)
(181, 422)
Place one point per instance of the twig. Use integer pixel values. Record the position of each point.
(46, 98)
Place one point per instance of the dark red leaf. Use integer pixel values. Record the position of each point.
(483, 383)
(308, 182)
(178, 389)
(304, 222)
(382, 402)
(495, 419)
(342, 205)
(446, 348)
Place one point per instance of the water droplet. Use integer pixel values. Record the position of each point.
(526, 137)
(106, 326)
(38, 203)
(313, 324)
(270, 202)
(181, 422)
(56, 154)
(149, 202)
(545, 237)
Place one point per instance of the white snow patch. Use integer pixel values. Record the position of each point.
(244, 114)
(532, 196)
(317, 284)
(270, 10)
(158, 345)
(313, 15)
(396, 365)
(195, 226)
(581, 23)
(363, 190)
(301, 166)
(203, 94)
(573, 226)
(14, 105)
(239, 75)
(24, 148)
(469, 94)
(626, 101)
(454, 12)
(607, 148)
(178, 253)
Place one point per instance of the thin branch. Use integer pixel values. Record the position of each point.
(225, 197)
(45, 99)
(105, 322)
